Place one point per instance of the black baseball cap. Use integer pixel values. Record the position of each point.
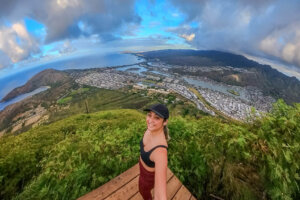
(160, 109)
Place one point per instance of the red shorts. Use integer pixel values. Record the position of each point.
(146, 182)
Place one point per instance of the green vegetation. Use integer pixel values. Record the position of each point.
(99, 99)
(46, 99)
(64, 100)
(73, 94)
(171, 98)
(69, 158)
(233, 92)
(80, 91)
(239, 161)
(103, 99)
(147, 82)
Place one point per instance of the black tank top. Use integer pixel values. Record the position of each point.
(146, 155)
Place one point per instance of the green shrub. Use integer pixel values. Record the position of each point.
(71, 157)
(279, 150)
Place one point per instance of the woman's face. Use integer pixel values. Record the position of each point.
(155, 122)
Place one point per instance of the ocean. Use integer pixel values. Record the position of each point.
(90, 61)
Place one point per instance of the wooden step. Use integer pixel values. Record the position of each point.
(125, 186)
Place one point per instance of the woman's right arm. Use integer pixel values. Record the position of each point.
(161, 164)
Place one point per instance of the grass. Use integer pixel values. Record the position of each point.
(102, 99)
(64, 100)
(233, 92)
(79, 91)
(72, 156)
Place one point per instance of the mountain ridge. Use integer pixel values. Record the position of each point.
(269, 80)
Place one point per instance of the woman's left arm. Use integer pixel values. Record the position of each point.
(160, 157)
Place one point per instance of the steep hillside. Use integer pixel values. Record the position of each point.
(44, 78)
(12, 114)
(69, 158)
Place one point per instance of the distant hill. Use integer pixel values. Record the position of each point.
(44, 78)
(264, 77)
(60, 84)
(199, 57)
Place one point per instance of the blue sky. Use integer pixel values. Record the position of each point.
(43, 31)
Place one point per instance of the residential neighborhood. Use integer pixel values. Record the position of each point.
(163, 81)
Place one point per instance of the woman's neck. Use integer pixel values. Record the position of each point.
(156, 133)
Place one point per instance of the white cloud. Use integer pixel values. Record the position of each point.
(66, 19)
(67, 3)
(67, 48)
(284, 43)
(63, 19)
(288, 52)
(16, 43)
(265, 28)
(270, 45)
(189, 37)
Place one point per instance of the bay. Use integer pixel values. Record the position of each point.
(84, 62)
(22, 96)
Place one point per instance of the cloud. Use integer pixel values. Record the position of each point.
(188, 37)
(183, 31)
(73, 18)
(5, 61)
(63, 19)
(268, 28)
(67, 48)
(284, 43)
(139, 44)
(16, 42)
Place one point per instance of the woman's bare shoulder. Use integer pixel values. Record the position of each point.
(160, 155)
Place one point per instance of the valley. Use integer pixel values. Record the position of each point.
(217, 90)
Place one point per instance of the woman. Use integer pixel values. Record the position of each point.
(153, 160)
